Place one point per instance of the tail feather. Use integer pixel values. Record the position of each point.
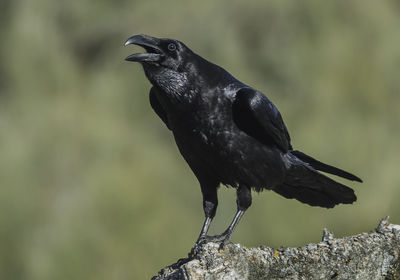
(307, 185)
(325, 167)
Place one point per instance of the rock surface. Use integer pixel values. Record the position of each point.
(372, 255)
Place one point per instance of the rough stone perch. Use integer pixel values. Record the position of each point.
(372, 255)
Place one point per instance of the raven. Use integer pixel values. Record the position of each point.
(229, 133)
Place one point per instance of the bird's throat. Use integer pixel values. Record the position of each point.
(174, 84)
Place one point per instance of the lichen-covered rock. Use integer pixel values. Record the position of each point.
(373, 255)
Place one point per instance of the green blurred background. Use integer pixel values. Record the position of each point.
(91, 183)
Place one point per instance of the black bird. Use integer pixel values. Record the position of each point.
(229, 133)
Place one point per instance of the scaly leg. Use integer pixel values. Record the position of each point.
(243, 202)
(210, 203)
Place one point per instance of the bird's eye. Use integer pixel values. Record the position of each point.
(171, 47)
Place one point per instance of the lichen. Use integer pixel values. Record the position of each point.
(373, 255)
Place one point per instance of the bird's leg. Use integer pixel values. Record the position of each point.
(204, 229)
(210, 203)
(243, 202)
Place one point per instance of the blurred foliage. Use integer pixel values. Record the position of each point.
(91, 183)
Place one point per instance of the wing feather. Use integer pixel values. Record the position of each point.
(256, 115)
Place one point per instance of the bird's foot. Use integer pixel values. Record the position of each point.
(194, 252)
(222, 239)
(181, 262)
(198, 246)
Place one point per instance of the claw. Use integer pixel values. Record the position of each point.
(197, 248)
(223, 244)
(222, 239)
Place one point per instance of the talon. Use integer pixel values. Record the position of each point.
(222, 239)
(224, 242)
(197, 247)
(180, 262)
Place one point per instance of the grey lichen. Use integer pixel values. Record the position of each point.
(372, 255)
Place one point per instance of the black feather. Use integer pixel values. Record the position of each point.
(307, 185)
(325, 167)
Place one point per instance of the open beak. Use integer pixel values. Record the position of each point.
(150, 44)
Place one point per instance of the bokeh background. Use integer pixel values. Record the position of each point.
(91, 183)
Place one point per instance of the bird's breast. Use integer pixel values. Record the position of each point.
(209, 139)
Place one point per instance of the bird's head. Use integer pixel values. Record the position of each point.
(165, 61)
(161, 52)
